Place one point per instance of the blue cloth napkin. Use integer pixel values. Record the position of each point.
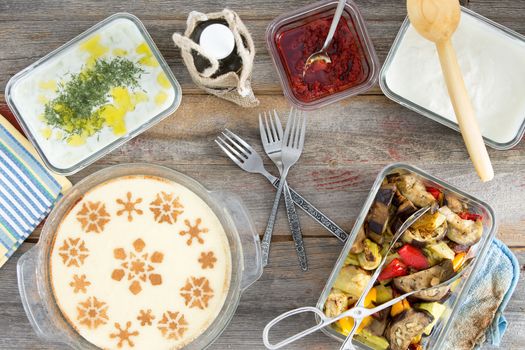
(480, 319)
(28, 191)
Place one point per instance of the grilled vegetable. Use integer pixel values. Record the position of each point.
(406, 327)
(454, 203)
(436, 310)
(380, 211)
(430, 228)
(426, 279)
(399, 307)
(372, 341)
(414, 190)
(351, 259)
(352, 280)
(394, 269)
(383, 294)
(413, 257)
(357, 247)
(369, 258)
(461, 231)
(458, 261)
(379, 322)
(441, 250)
(336, 303)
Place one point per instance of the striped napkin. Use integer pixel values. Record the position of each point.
(28, 190)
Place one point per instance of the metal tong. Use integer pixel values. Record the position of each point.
(359, 312)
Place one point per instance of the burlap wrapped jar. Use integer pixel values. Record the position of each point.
(234, 86)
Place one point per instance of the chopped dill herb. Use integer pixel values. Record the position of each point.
(77, 108)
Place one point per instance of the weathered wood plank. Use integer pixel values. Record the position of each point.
(347, 145)
(42, 26)
(282, 287)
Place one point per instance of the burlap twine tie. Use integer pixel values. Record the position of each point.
(231, 86)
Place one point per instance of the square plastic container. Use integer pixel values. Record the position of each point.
(306, 15)
(439, 333)
(515, 43)
(125, 108)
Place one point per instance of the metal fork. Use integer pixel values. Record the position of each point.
(242, 154)
(271, 137)
(292, 147)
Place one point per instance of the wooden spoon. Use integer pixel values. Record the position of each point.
(437, 20)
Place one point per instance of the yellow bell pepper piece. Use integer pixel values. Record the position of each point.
(417, 339)
(458, 261)
(371, 298)
(347, 323)
(399, 307)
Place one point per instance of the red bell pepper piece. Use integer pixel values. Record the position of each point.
(470, 216)
(434, 192)
(394, 269)
(413, 257)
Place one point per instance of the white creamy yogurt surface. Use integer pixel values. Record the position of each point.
(493, 66)
(30, 93)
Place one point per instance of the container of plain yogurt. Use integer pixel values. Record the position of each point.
(93, 94)
(491, 58)
(138, 256)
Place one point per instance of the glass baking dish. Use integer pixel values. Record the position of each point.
(73, 117)
(516, 40)
(453, 303)
(33, 268)
(305, 15)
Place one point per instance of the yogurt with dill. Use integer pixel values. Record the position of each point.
(93, 93)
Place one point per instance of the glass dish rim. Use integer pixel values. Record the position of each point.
(362, 32)
(227, 311)
(360, 219)
(428, 113)
(81, 164)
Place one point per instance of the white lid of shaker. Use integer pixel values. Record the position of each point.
(217, 39)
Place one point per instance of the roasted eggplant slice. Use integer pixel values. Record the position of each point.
(454, 203)
(429, 229)
(352, 280)
(406, 326)
(462, 231)
(336, 303)
(413, 189)
(358, 247)
(427, 279)
(380, 211)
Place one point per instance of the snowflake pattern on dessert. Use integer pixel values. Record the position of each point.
(138, 266)
(193, 231)
(166, 208)
(93, 217)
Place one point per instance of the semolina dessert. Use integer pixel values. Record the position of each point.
(141, 262)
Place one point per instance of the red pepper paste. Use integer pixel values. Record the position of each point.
(348, 68)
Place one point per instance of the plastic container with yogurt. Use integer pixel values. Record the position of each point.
(491, 59)
(94, 93)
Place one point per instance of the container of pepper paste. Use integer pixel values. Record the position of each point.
(293, 37)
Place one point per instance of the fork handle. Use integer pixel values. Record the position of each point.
(295, 227)
(315, 213)
(267, 238)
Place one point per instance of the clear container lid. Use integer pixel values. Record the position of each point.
(73, 116)
(502, 125)
(306, 15)
(453, 303)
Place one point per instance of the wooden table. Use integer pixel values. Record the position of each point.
(347, 145)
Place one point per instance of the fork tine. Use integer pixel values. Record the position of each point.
(276, 136)
(303, 133)
(298, 128)
(235, 150)
(262, 129)
(271, 137)
(278, 125)
(239, 140)
(286, 136)
(238, 149)
(228, 153)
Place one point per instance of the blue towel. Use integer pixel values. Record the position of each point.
(480, 319)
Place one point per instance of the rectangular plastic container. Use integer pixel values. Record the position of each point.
(306, 14)
(453, 303)
(505, 32)
(119, 37)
